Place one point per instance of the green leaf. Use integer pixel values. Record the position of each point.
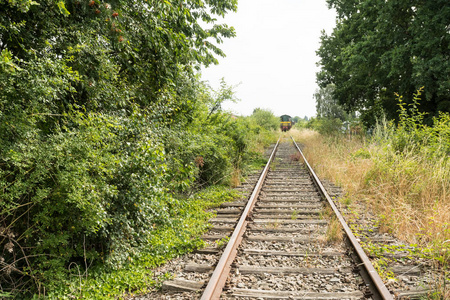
(62, 8)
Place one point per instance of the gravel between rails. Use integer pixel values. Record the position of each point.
(285, 248)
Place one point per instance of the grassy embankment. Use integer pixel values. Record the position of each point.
(407, 190)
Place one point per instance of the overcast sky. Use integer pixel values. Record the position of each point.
(273, 55)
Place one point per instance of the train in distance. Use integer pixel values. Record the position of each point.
(286, 123)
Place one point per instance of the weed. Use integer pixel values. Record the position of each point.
(380, 264)
(274, 165)
(161, 278)
(222, 242)
(306, 260)
(235, 179)
(166, 242)
(441, 262)
(272, 225)
(334, 232)
(406, 189)
(347, 201)
(326, 213)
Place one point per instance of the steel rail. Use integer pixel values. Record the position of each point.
(220, 274)
(375, 284)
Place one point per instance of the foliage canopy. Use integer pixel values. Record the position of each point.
(327, 106)
(382, 47)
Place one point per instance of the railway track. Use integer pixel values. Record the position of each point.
(284, 242)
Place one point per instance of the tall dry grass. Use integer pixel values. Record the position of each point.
(408, 192)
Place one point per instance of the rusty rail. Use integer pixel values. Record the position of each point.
(370, 275)
(220, 274)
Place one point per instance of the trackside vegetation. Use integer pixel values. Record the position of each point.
(377, 133)
(111, 146)
(96, 204)
(401, 173)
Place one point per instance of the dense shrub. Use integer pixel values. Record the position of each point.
(265, 118)
(91, 192)
(412, 134)
(105, 131)
(167, 241)
(326, 126)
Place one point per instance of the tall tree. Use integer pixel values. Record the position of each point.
(265, 118)
(103, 56)
(379, 48)
(327, 106)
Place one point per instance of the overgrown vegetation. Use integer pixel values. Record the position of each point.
(98, 192)
(178, 235)
(402, 172)
(107, 134)
(334, 233)
(414, 159)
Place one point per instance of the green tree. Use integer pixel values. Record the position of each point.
(300, 122)
(379, 48)
(265, 118)
(103, 56)
(327, 106)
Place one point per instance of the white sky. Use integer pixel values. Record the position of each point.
(273, 55)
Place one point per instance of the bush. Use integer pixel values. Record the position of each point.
(265, 119)
(326, 126)
(94, 190)
(410, 174)
(412, 134)
(91, 193)
(180, 235)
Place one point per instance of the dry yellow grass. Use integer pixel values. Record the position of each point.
(235, 179)
(409, 193)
